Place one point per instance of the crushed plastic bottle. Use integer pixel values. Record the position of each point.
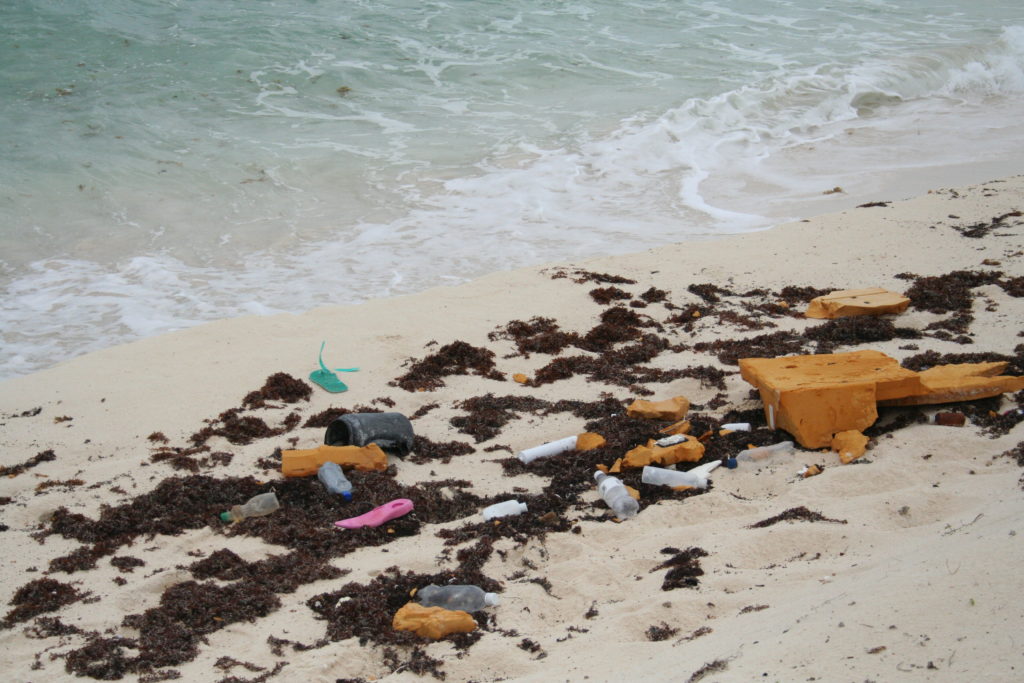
(334, 480)
(504, 509)
(457, 597)
(760, 454)
(614, 493)
(659, 476)
(257, 506)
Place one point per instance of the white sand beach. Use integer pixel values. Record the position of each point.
(908, 571)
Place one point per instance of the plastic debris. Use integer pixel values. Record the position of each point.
(432, 622)
(850, 445)
(851, 302)
(306, 462)
(689, 449)
(669, 409)
(257, 506)
(462, 597)
(378, 515)
(504, 509)
(614, 493)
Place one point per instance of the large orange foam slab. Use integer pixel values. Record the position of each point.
(303, 463)
(961, 382)
(850, 302)
(814, 396)
(669, 409)
(432, 622)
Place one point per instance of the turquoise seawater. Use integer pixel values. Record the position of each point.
(166, 163)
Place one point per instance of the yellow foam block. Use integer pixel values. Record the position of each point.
(303, 463)
(850, 302)
(432, 622)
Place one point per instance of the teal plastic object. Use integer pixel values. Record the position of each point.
(326, 378)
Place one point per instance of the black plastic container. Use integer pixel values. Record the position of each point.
(391, 431)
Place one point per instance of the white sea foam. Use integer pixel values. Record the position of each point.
(183, 174)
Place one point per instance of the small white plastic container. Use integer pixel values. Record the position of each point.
(506, 508)
(762, 454)
(548, 449)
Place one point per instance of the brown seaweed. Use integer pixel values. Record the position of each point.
(457, 358)
(797, 514)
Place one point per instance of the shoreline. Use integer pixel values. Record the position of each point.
(876, 596)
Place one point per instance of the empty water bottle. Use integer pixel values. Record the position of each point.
(760, 454)
(334, 480)
(458, 597)
(257, 506)
(614, 493)
(504, 509)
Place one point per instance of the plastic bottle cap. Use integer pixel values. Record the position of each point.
(225, 516)
(347, 495)
(730, 463)
(491, 599)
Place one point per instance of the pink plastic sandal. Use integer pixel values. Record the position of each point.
(378, 515)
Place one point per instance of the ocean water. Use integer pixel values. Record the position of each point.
(169, 162)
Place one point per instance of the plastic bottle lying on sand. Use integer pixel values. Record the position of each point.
(257, 506)
(614, 493)
(458, 597)
(760, 454)
(551, 448)
(334, 480)
(696, 477)
(504, 509)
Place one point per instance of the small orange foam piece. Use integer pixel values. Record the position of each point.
(850, 445)
(690, 450)
(588, 441)
(521, 378)
(432, 622)
(305, 462)
(669, 409)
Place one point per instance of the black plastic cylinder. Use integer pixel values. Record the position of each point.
(391, 431)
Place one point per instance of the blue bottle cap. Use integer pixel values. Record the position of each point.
(347, 495)
(731, 463)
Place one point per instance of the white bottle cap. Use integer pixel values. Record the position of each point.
(491, 599)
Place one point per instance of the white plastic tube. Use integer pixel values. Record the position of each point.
(504, 509)
(737, 426)
(659, 476)
(548, 449)
(670, 440)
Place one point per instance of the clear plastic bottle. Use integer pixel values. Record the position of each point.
(614, 493)
(504, 509)
(760, 454)
(458, 597)
(334, 480)
(257, 506)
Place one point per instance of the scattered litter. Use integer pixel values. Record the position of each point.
(504, 509)
(432, 622)
(850, 302)
(456, 597)
(334, 480)
(950, 419)
(326, 378)
(257, 506)
(850, 445)
(614, 493)
(760, 454)
(669, 409)
(306, 462)
(378, 515)
(392, 432)
(580, 442)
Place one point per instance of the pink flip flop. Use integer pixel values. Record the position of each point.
(378, 515)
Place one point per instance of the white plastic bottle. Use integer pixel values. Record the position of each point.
(548, 449)
(614, 493)
(504, 509)
(458, 597)
(257, 506)
(660, 476)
